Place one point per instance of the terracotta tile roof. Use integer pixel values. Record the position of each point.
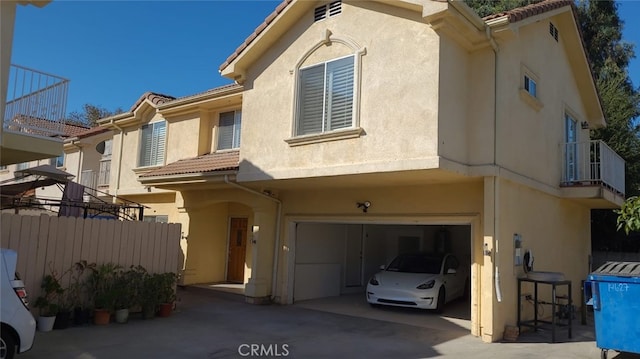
(43, 127)
(92, 132)
(280, 8)
(155, 98)
(213, 162)
(524, 12)
(214, 90)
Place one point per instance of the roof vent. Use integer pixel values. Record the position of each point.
(553, 30)
(331, 9)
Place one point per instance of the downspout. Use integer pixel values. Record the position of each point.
(276, 251)
(496, 261)
(115, 190)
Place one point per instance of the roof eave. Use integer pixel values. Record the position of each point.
(187, 178)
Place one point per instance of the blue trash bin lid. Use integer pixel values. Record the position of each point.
(617, 271)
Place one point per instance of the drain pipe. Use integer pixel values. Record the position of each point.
(496, 260)
(276, 252)
(115, 190)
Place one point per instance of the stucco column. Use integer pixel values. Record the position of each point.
(258, 288)
(487, 273)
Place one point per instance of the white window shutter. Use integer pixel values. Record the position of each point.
(225, 131)
(311, 109)
(237, 125)
(339, 98)
(160, 136)
(145, 146)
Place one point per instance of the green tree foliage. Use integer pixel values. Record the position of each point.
(90, 114)
(610, 55)
(629, 215)
(490, 7)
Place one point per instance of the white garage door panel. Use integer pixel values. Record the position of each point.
(316, 281)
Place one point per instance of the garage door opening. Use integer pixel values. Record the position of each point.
(338, 259)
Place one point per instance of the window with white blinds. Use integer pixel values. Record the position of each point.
(152, 144)
(325, 97)
(229, 130)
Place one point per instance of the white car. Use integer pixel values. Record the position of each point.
(419, 280)
(18, 326)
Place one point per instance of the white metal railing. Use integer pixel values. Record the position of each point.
(36, 102)
(592, 163)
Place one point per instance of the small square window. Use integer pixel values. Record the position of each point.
(530, 86)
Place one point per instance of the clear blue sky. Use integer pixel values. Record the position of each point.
(114, 51)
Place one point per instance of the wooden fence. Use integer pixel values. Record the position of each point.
(47, 243)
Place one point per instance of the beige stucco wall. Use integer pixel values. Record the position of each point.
(556, 231)
(529, 141)
(399, 97)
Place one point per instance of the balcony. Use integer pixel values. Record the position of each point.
(35, 110)
(593, 171)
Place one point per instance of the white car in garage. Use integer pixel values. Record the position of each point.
(419, 280)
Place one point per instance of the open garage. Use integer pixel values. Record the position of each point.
(338, 259)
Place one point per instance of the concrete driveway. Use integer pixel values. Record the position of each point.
(211, 324)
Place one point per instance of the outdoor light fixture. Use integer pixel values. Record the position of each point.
(364, 206)
(584, 125)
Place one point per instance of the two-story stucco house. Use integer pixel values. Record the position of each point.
(460, 133)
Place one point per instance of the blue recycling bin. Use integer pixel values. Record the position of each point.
(614, 292)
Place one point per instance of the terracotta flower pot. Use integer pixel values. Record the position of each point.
(101, 317)
(165, 309)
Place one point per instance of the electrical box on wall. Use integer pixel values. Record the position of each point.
(517, 249)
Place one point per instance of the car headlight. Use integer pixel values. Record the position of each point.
(427, 285)
(374, 281)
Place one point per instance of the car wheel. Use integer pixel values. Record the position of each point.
(441, 298)
(7, 345)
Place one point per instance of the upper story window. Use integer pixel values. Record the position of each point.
(325, 97)
(152, 144)
(108, 148)
(331, 9)
(57, 161)
(530, 86)
(229, 130)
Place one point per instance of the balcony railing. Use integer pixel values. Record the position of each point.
(36, 102)
(592, 163)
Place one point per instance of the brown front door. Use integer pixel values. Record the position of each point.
(237, 249)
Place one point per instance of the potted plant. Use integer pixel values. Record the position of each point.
(102, 284)
(46, 302)
(150, 294)
(126, 287)
(167, 294)
(78, 292)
